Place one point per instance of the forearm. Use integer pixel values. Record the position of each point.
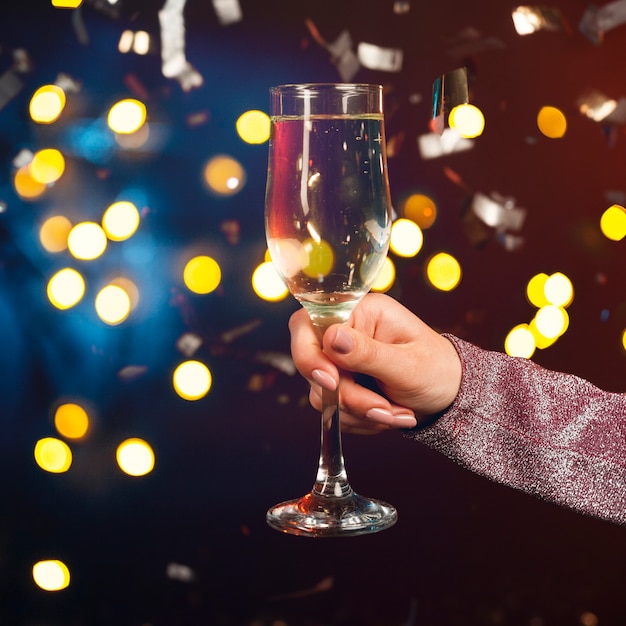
(547, 433)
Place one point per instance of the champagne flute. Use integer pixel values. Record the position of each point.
(328, 222)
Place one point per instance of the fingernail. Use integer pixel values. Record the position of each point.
(379, 415)
(343, 341)
(324, 380)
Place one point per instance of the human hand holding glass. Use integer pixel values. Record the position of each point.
(328, 221)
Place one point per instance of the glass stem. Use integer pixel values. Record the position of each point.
(332, 479)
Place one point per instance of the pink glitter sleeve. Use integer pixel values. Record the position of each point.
(551, 434)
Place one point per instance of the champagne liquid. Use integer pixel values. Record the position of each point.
(327, 209)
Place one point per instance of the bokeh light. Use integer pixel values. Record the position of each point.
(468, 120)
(66, 288)
(552, 321)
(559, 290)
(132, 291)
(71, 420)
(120, 220)
(253, 127)
(268, 284)
(406, 238)
(87, 241)
(192, 380)
(53, 455)
(520, 342)
(613, 223)
(541, 341)
(47, 166)
(126, 116)
(319, 258)
(535, 293)
(66, 4)
(386, 276)
(443, 271)
(421, 209)
(51, 575)
(551, 122)
(54, 232)
(112, 304)
(224, 175)
(202, 274)
(47, 104)
(25, 185)
(135, 457)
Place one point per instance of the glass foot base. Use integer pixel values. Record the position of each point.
(319, 516)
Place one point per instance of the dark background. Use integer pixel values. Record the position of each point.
(465, 551)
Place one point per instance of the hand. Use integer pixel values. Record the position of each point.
(417, 370)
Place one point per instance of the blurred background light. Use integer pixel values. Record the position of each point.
(54, 232)
(87, 241)
(66, 288)
(443, 271)
(542, 342)
(253, 127)
(551, 122)
(468, 120)
(552, 321)
(135, 457)
(51, 575)
(224, 175)
(386, 276)
(126, 116)
(25, 185)
(192, 380)
(112, 304)
(421, 209)
(53, 455)
(319, 257)
(202, 274)
(535, 290)
(47, 166)
(66, 4)
(520, 342)
(131, 289)
(71, 420)
(268, 284)
(559, 290)
(47, 104)
(120, 220)
(406, 238)
(613, 223)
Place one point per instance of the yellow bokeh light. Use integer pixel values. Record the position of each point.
(87, 241)
(135, 457)
(47, 166)
(66, 288)
(224, 175)
(126, 116)
(120, 220)
(66, 4)
(253, 127)
(624, 339)
(613, 223)
(386, 276)
(53, 455)
(25, 185)
(319, 258)
(192, 380)
(112, 304)
(47, 104)
(540, 341)
(559, 290)
(520, 342)
(267, 283)
(551, 122)
(443, 271)
(468, 120)
(421, 209)
(71, 420)
(129, 287)
(406, 238)
(552, 321)
(54, 232)
(535, 293)
(51, 575)
(202, 274)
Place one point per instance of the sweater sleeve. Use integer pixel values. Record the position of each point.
(550, 434)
